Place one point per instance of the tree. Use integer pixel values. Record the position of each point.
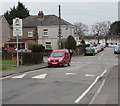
(101, 29)
(115, 28)
(19, 11)
(70, 43)
(80, 29)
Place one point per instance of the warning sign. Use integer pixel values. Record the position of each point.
(17, 27)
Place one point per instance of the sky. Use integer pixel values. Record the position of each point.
(87, 12)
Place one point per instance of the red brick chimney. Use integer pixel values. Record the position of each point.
(40, 14)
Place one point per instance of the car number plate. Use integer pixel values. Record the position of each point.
(54, 63)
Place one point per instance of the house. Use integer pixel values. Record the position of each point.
(4, 31)
(46, 27)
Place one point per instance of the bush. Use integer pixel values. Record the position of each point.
(70, 43)
(37, 48)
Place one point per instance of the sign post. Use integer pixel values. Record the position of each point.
(17, 31)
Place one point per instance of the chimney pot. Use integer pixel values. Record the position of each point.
(40, 14)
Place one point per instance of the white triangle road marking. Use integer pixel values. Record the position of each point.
(19, 76)
(41, 76)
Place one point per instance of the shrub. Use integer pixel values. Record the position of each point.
(37, 48)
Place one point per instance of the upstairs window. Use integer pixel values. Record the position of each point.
(30, 33)
(45, 32)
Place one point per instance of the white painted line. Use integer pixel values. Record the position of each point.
(98, 91)
(70, 73)
(6, 77)
(84, 93)
(88, 89)
(19, 76)
(42, 76)
(88, 75)
(100, 56)
(103, 73)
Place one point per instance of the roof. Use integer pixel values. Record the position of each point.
(48, 20)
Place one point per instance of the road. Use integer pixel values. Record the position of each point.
(75, 84)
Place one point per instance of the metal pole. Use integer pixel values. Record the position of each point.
(59, 28)
(17, 52)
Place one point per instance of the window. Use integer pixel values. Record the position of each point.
(30, 33)
(48, 45)
(45, 32)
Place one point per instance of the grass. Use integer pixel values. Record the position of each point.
(7, 64)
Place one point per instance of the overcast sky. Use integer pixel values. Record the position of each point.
(87, 12)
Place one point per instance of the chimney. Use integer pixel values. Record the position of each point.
(40, 14)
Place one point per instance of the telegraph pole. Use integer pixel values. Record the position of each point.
(59, 33)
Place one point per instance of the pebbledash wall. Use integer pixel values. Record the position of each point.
(52, 38)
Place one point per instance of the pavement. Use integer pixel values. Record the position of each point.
(22, 69)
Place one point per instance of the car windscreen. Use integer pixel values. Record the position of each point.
(57, 54)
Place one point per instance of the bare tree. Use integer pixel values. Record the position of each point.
(80, 29)
(101, 29)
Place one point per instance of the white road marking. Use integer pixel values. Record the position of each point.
(100, 56)
(88, 89)
(88, 75)
(70, 73)
(6, 77)
(2, 78)
(98, 91)
(19, 76)
(41, 76)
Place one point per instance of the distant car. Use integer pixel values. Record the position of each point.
(89, 51)
(20, 51)
(96, 49)
(118, 44)
(100, 47)
(112, 45)
(24, 51)
(117, 50)
(59, 58)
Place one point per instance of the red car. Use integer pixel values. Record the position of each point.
(59, 58)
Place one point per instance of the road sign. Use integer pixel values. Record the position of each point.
(17, 22)
(17, 27)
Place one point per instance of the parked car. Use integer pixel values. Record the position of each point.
(20, 51)
(89, 51)
(117, 50)
(96, 49)
(100, 47)
(113, 45)
(24, 51)
(59, 58)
